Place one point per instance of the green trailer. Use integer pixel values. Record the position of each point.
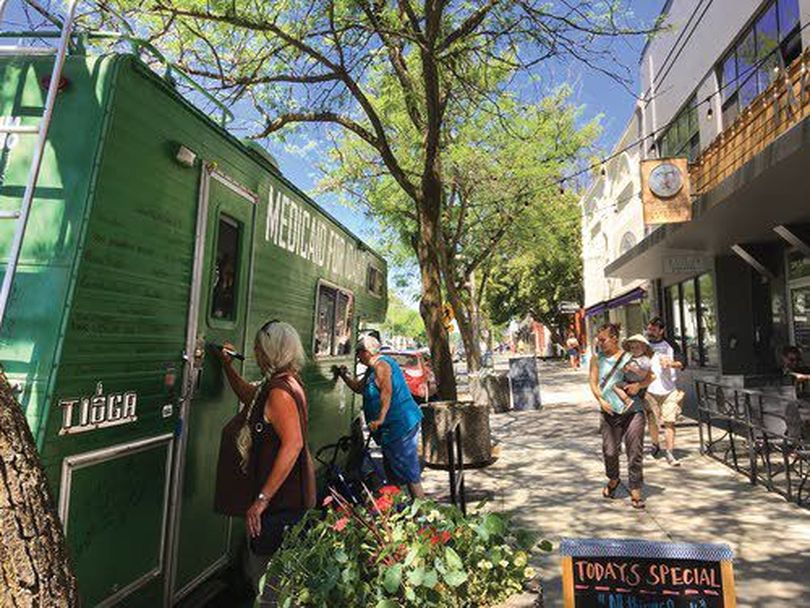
(152, 231)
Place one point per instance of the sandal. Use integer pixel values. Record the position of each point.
(638, 503)
(609, 491)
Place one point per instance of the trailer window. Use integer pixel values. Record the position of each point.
(334, 321)
(223, 285)
(374, 281)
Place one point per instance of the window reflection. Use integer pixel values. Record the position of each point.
(334, 322)
(223, 285)
(690, 323)
(708, 320)
(774, 40)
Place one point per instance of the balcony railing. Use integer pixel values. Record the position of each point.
(776, 110)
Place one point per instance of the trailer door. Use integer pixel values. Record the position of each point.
(218, 314)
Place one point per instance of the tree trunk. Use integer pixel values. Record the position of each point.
(430, 306)
(35, 570)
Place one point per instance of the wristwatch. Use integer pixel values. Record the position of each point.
(263, 497)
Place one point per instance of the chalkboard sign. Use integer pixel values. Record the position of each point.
(524, 384)
(643, 574)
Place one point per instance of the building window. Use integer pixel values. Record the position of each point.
(682, 136)
(374, 281)
(223, 284)
(628, 242)
(773, 40)
(333, 322)
(708, 320)
(692, 318)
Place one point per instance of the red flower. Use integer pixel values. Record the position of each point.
(445, 536)
(389, 491)
(327, 501)
(425, 532)
(383, 503)
(340, 524)
(434, 540)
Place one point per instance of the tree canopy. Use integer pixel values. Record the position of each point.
(352, 64)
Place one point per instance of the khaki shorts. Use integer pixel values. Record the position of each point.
(665, 408)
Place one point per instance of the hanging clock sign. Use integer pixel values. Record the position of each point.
(665, 192)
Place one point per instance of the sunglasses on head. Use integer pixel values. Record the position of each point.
(267, 325)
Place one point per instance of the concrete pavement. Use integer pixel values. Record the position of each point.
(549, 475)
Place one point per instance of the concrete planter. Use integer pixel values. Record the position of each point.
(523, 600)
(440, 416)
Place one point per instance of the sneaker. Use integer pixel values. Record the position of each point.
(671, 460)
(655, 450)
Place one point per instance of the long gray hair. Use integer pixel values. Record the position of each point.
(278, 350)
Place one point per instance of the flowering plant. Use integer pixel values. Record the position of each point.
(391, 552)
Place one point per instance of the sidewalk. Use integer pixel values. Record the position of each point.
(549, 475)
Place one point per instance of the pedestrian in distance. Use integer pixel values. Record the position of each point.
(619, 422)
(265, 471)
(572, 346)
(393, 417)
(664, 399)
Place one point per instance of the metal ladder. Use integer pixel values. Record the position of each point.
(41, 131)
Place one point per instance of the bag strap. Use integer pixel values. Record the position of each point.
(300, 398)
(612, 371)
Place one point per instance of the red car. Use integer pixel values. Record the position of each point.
(415, 365)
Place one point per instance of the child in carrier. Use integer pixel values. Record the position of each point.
(636, 369)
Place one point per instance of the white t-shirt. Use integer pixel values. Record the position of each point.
(665, 378)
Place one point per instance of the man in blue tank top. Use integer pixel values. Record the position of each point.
(392, 414)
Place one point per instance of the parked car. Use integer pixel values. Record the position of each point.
(419, 375)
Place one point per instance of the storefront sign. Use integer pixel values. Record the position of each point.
(569, 308)
(685, 264)
(641, 574)
(98, 411)
(665, 191)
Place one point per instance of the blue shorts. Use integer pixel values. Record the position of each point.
(401, 460)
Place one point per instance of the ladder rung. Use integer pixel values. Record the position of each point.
(27, 50)
(9, 215)
(19, 128)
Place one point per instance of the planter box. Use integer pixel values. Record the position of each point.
(523, 600)
(439, 417)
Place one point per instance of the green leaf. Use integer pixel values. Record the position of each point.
(392, 578)
(495, 524)
(341, 557)
(455, 578)
(416, 577)
(411, 556)
(409, 594)
(453, 560)
(439, 565)
(430, 580)
(545, 545)
(386, 603)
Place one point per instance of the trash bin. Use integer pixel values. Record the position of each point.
(476, 438)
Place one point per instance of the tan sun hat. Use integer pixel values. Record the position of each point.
(639, 338)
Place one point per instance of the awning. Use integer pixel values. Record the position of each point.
(634, 295)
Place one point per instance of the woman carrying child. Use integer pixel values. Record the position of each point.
(622, 411)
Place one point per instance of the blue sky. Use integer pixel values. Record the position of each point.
(597, 93)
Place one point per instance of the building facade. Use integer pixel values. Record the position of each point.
(612, 224)
(728, 87)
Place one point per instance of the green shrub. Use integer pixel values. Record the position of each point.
(391, 552)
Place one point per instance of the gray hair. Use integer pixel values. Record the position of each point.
(281, 348)
(282, 351)
(368, 343)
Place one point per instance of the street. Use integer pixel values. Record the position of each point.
(549, 476)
